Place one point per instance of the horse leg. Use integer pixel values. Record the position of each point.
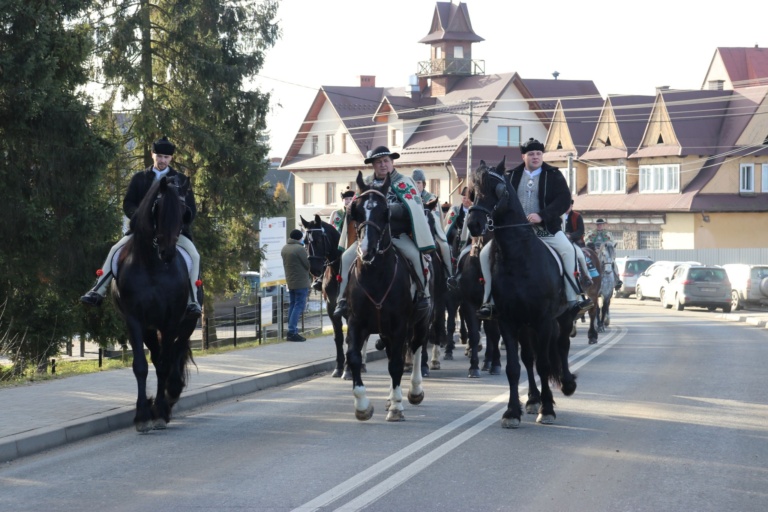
(493, 352)
(544, 342)
(450, 329)
(363, 405)
(605, 316)
(143, 418)
(592, 333)
(567, 379)
(162, 360)
(533, 403)
(424, 358)
(511, 417)
(395, 410)
(416, 392)
(338, 341)
(473, 334)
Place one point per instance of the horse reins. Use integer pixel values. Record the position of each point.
(378, 250)
(489, 225)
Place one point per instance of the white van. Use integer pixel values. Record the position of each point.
(749, 284)
(629, 269)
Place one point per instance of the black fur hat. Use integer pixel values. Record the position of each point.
(531, 145)
(163, 146)
(347, 193)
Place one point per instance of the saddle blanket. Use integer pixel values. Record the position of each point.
(184, 254)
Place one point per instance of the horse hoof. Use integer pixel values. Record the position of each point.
(435, 365)
(474, 373)
(336, 373)
(592, 341)
(425, 372)
(532, 408)
(573, 331)
(347, 375)
(380, 345)
(364, 415)
(448, 356)
(159, 424)
(143, 427)
(495, 370)
(363, 369)
(415, 399)
(601, 329)
(510, 422)
(545, 419)
(395, 416)
(486, 366)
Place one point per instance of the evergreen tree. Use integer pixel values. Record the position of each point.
(54, 215)
(181, 66)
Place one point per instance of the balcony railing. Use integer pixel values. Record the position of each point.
(438, 67)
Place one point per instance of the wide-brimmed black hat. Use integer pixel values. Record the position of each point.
(600, 221)
(347, 193)
(380, 152)
(163, 147)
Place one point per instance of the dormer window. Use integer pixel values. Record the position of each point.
(660, 140)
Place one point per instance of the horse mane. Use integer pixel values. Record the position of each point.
(158, 214)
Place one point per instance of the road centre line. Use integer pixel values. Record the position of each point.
(426, 460)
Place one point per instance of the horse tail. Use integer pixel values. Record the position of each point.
(179, 376)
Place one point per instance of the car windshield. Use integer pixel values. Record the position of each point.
(709, 275)
(638, 266)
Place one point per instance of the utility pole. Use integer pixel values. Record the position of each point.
(469, 142)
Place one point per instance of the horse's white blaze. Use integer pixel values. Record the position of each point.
(368, 206)
(416, 378)
(361, 399)
(396, 399)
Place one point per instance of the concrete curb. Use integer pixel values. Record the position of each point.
(26, 444)
(745, 318)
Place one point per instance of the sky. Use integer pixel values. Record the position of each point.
(623, 47)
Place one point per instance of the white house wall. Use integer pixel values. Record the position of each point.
(327, 123)
(510, 110)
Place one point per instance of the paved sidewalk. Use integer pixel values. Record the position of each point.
(44, 415)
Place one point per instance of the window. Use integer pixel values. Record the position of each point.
(329, 144)
(307, 190)
(660, 179)
(397, 137)
(747, 178)
(434, 187)
(458, 52)
(764, 187)
(438, 53)
(330, 193)
(648, 240)
(509, 136)
(607, 180)
(344, 142)
(315, 145)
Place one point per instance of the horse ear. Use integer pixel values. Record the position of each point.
(303, 222)
(318, 221)
(502, 165)
(360, 182)
(163, 184)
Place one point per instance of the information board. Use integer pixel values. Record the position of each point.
(271, 242)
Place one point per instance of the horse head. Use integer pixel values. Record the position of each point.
(491, 192)
(370, 213)
(607, 254)
(318, 244)
(159, 219)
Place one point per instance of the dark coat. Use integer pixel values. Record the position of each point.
(140, 185)
(554, 196)
(295, 264)
(574, 228)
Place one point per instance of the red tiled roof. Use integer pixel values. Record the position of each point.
(746, 67)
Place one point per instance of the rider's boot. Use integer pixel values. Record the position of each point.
(317, 284)
(193, 308)
(580, 306)
(95, 295)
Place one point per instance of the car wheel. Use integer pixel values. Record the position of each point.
(735, 302)
(639, 293)
(727, 309)
(663, 299)
(678, 305)
(711, 308)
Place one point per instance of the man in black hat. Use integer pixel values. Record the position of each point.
(337, 217)
(545, 197)
(162, 154)
(599, 235)
(404, 203)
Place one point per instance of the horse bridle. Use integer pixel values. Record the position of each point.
(313, 255)
(155, 244)
(378, 249)
(489, 225)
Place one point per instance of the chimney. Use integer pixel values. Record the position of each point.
(367, 80)
(412, 90)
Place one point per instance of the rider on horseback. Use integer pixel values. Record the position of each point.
(337, 221)
(440, 239)
(404, 206)
(141, 182)
(544, 195)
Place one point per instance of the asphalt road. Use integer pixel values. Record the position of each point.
(670, 414)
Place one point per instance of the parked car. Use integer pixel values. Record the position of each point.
(653, 279)
(630, 269)
(749, 284)
(697, 285)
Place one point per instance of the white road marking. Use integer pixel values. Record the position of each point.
(582, 357)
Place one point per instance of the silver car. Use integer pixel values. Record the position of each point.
(749, 284)
(698, 285)
(630, 269)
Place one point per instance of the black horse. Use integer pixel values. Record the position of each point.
(471, 293)
(381, 301)
(527, 290)
(322, 244)
(151, 291)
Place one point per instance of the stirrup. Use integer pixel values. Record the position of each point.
(486, 311)
(193, 310)
(92, 298)
(341, 308)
